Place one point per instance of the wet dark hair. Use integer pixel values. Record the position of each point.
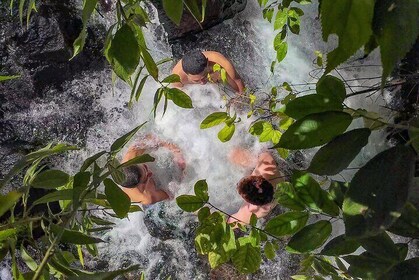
(132, 176)
(256, 190)
(194, 62)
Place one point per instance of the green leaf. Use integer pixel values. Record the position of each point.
(149, 63)
(336, 155)
(268, 14)
(74, 237)
(351, 21)
(50, 179)
(117, 175)
(213, 119)
(387, 177)
(265, 131)
(287, 223)
(119, 201)
(140, 87)
(280, 19)
(124, 52)
(310, 237)
(310, 104)
(174, 10)
(89, 161)
(281, 51)
(28, 259)
(287, 197)
(55, 196)
(331, 87)
(5, 78)
(88, 8)
(137, 160)
(405, 270)
(216, 259)
(122, 141)
(337, 192)
(180, 98)
(340, 245)
(367, 266)
(99, 275)
(201, 190)
(396, 28)
(314, 130)
(7, 201)
(190, 203)
(381, 246)
(269, 251)
(247, 257)
(226, 133)
(203, 213)
(4, 234)
(173, 78)
(408, 223)
(309, 191)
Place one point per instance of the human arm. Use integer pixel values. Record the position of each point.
(233, 77)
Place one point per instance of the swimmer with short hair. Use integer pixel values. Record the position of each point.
(196, 67)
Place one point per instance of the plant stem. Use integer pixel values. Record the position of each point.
(24, 221)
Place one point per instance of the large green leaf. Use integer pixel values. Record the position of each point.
(180, 98)
(124, 52)
(74, 237)
(340, 152)
(226, 132)
(173, 9)
(213, 119)
(381, 246)
(310, 104)
(366, 266)
(287, 197)
(8, 200)
(314, 130)
(287, 223)
(50, 179)
(332, 87)
(310, 237)
(149, 62)
(190, 203)
(55, 196)
(408, 223)
(247, 257)
(340, 245)
(119, 201)
(311, 194)
(349, 19)
(387, 177)
(201, 190)
(137, 160)
(396, 27)
(407, 270)
(88, 8)
(89, 161)
(120, 142)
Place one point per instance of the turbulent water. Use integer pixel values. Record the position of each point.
(161, 237)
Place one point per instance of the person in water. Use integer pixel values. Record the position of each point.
(141, 184)
(196, 67)
(257, 189)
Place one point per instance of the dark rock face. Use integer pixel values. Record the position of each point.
(52, 100)
(216, 12)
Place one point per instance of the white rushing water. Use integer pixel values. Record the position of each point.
(130, 242)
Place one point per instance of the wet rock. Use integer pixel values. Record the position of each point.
(164, 224)
(53, 98)
(216, 12)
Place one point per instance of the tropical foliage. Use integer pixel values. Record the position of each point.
(373, 206)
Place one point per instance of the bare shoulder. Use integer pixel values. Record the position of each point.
(214, 56)
(179, 71)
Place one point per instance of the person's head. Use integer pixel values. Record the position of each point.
(195, 65)
(137, 176)
(256, 190)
